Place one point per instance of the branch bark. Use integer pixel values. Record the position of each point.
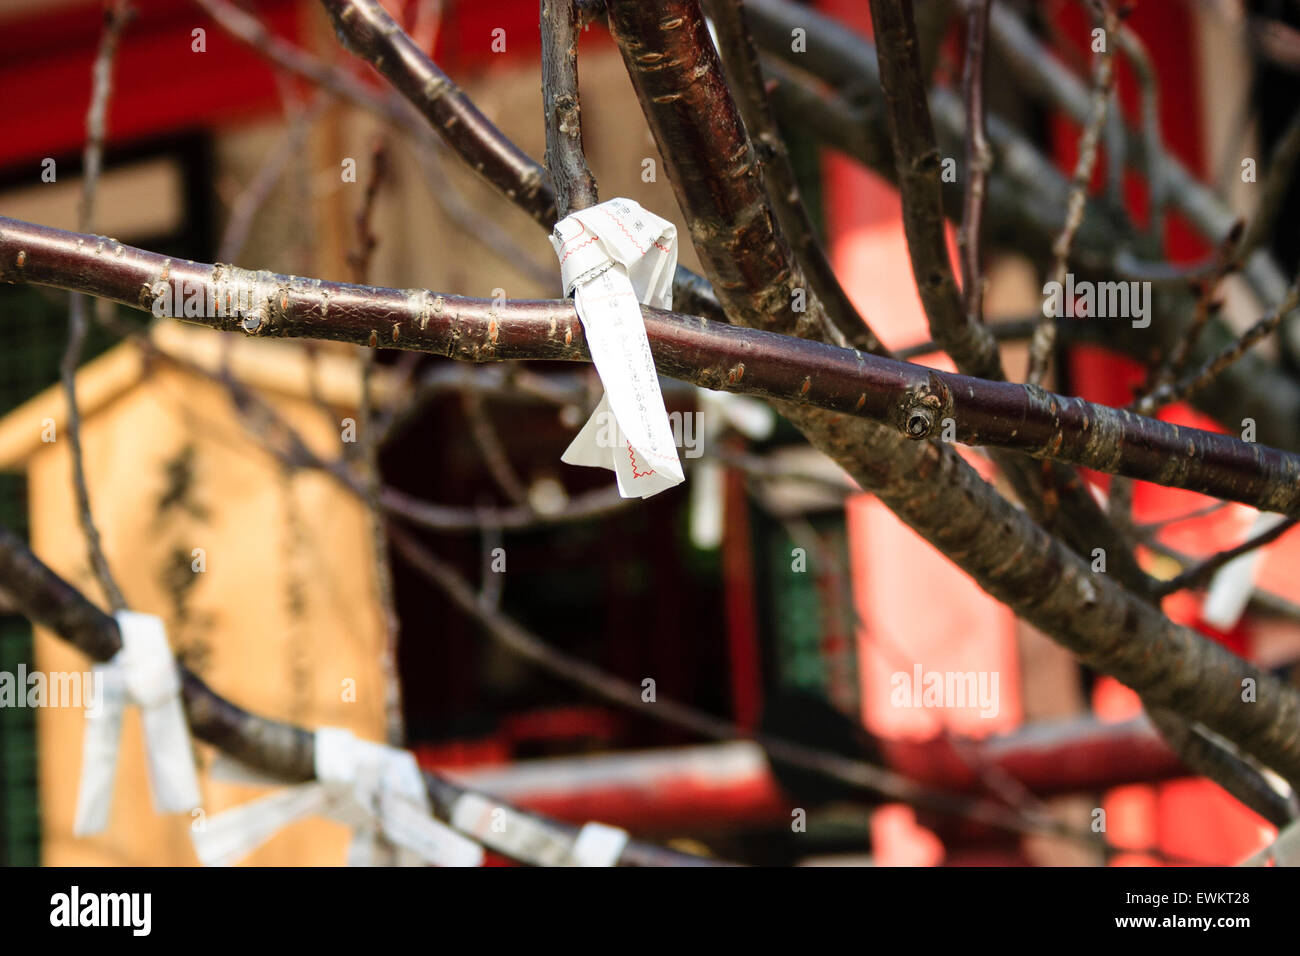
(116, 17)
(740, 56)
(1027, 194)
(1056, 496)
(917, 159)
(979, 159)
(282, 750)
(805, 377)
(575, 186)
(678, 80)
(367, 29)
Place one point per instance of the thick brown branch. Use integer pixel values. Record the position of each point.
(909, 400)
(279, 749)
(920, 184)
(740, 57)
(678, 80)
(1004, 550)
(1220, 764)
(575, 186)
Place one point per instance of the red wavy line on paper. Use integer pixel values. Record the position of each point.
(656, 243)
(631, 454)
(623, 229)
(582, 227)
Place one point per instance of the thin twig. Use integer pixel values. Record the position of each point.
(491, 448)
(251, 199)
(359, 262)
(1201, 572)
(1155, 158)
(1272, 197)
(920, 184)
(116, 17)
(1213, 366)
(979, 159)
(1206, 305)
(514, 636)
(1150, 529)
(1044, 340)
(1006, 330)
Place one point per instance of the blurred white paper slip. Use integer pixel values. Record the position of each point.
(719, 411)
(613, 257)
(143, 673)
(377, 790)
(517, 835)
(1232, 585)
(598, 845)
(508, 831)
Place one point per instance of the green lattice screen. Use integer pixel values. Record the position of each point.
(20, 831)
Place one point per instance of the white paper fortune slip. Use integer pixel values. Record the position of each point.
(613, 257)
(375, 789)
(1233, 584)
(517, 835)
(143, 673)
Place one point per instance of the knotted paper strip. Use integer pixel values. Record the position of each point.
(375, 789)
(143, 673)
(519, 836)
(613, 257)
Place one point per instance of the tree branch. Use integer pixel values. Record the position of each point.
(1044, 340)
(979, 159)
(1056, 496)
(740, 57)
(804, 376)
(282, 750)
(359, 262)
(1026, 194)
(575, 186)
(371, 33)
(920, 185)
(1201, 572)
(678, 80)
(116, 17)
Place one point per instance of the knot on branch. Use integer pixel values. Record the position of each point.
(567, 111)
(923, 408)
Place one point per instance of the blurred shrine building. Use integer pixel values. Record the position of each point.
(789, 605)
